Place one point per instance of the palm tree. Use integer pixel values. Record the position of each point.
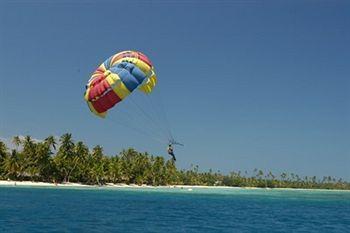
(64, 158)
(3, 155)
(12, 165)
(99, 164)
(16, 140)
(158, 169)
(67, 144)
(51, 141)
(114, 169)
(43, 161)
(142, 168)
(283, 176)
(3, 150)
(171, 172)
(81, 162)
(127, 158)
(29, 163)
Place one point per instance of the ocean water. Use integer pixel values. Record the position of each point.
(34, 209)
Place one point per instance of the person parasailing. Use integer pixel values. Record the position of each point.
(171, 151)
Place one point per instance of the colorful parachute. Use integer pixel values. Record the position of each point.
(116, 78)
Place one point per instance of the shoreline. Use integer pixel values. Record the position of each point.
(7, 183)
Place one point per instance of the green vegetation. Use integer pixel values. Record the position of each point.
(69, 161)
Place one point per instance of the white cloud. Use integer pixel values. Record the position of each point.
(21, 137)
(8, 141)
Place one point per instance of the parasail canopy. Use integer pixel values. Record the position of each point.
(116, 78)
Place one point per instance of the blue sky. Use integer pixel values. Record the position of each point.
(245, 84)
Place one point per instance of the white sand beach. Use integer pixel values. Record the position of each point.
(30, 183)
(122, 185)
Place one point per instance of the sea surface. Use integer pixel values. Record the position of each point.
(57, 209)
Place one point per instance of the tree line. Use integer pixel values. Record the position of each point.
(64, 160)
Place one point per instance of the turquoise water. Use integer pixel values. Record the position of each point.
(29, 209)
